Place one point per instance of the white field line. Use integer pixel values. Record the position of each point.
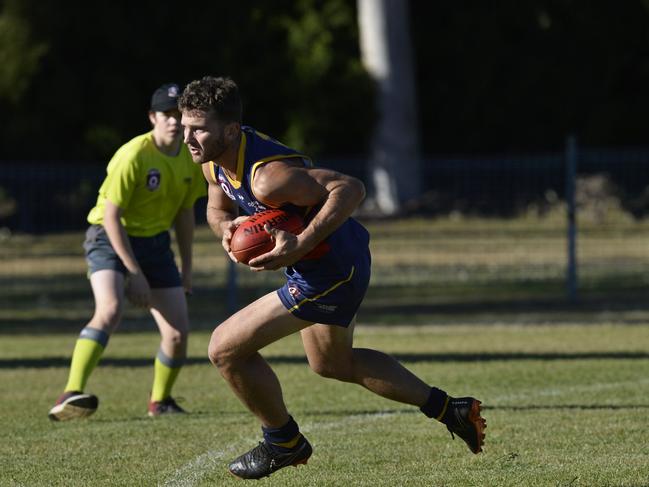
(570, 389)
(191, 473)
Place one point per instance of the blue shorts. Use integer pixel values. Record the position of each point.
(320, 292)
(153, 254)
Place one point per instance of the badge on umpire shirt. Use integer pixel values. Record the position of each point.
(153, 179)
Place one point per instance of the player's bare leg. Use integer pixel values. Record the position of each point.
(108, 291)
(233, 350)
(331, 354)
(169, 309)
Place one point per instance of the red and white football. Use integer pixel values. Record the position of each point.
(250, 239)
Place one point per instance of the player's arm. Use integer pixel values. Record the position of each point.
(184, 224)
(335, 196)
(138, 290)
(221, 211)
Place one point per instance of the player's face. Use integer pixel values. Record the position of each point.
(166, 125)
(205, 137)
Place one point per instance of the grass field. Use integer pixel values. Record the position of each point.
(473, 306)
(566, 405)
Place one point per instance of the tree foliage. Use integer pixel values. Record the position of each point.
(76, 77)
(511, 76)
(296, 63)
(19, 55)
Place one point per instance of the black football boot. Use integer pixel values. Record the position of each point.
(263, 460)
(462, 418)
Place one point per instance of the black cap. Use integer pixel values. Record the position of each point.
(165, 98)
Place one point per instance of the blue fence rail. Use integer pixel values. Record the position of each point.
(43, 197)
(51, 197)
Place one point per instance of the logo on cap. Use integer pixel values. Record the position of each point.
(172, 92)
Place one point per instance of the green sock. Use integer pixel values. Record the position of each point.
(87, 352)
(165, 372)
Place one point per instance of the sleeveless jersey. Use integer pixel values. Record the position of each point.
(256, 149)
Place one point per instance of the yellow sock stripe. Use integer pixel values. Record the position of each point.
(290, 444)
(340, 283)
(441, 415)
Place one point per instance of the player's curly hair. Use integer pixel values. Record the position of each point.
(218, 95)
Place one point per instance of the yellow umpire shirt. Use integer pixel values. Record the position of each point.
(149, 186)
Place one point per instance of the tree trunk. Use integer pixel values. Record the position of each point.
(394, 166)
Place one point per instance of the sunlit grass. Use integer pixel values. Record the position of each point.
(565, 405)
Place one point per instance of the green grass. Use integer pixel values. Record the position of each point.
(566, 405)
(564, 384)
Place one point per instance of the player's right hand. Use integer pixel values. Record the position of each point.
(228, 229)
(138, 291)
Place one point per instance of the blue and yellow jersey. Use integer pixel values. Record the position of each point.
(149, 186)
(257, 149)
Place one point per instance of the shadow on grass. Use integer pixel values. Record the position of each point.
(504, 407)
(46, 362)
(587, 304)
(244, 416)
(540, 407)
(47, 306)
(197, 414)
(497, 303)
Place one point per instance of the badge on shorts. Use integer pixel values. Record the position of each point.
(294, 291)
(153, 179)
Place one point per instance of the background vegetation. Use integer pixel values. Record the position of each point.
(79, 76)
(505, 76)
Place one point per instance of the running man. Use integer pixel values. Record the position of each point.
(327, 274)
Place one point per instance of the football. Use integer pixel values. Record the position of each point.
(250, 239)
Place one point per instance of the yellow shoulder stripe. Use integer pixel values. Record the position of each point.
(213, 170)
(236, 184)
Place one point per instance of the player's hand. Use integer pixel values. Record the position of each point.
(286, 251)
(228, 229)
(137, 290)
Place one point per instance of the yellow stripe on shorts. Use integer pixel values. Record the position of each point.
(339, 283)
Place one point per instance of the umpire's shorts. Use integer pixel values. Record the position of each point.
(153, 254)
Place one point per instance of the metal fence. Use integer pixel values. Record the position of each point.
(569, 224)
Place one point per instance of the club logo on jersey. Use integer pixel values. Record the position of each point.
(153, 179)
(226, 189)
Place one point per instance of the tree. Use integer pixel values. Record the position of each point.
(387, 55)
(19, 54)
